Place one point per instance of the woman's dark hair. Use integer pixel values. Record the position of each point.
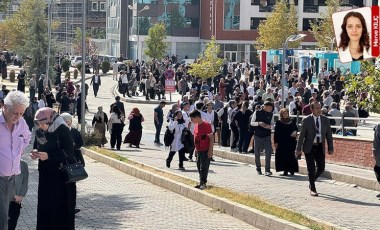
(364, 39)
(116, 110)
(181, 120)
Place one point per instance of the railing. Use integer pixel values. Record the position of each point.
(341, 128)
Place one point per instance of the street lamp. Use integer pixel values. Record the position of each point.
(331, 41)
(138, 26)
(291, 38)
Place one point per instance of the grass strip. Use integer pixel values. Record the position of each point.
(241, 198)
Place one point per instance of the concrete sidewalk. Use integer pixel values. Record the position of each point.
(110, 199)
(339, 203)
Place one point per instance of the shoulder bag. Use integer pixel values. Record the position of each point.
(74, 171)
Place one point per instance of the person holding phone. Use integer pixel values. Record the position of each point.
(285, 134)
(354, 42)
(177, 125)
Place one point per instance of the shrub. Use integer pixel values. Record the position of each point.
(65, 65)
(79, 67)
(106, 65)
(12, 76)
(75, 73)
(92, 139)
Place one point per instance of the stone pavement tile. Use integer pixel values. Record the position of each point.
(338, 203)
(110, 199)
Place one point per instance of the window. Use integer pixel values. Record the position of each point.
(255, 2)
(94, 6)
(306, 23)
(255, 23)
(102, 6)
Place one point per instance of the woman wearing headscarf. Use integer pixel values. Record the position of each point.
(115, 127)
(135, 128)
(176, 125)
(285, 141)
(78, 143)
(55, 207)
(99, 123)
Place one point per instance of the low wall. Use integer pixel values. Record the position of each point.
(352, 151)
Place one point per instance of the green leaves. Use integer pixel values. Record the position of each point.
(279, 25)
(209, 63)
(155, 41)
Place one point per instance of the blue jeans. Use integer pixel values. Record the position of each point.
(158, 131)
(242, 134)
(247, 140)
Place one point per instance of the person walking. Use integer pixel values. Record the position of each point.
(119, 104)
(32, 87)
(376, 153)
(204, 142)
(100, 122)
(315, 132)
(115, 127)
(15, 137)
(21, 188)
(55, 207)
(177, 125)
(96, 82)
(21, 81)
(158, 121)
(135, 128)
(263, 121)
(242, 117)
(285, 134)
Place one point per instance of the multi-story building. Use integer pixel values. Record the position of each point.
(192, 23)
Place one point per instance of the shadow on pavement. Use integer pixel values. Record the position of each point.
(343, 200)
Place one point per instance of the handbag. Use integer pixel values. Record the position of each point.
(73, 171)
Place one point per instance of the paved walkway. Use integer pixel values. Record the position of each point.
(110, 199)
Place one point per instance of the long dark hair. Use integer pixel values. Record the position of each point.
(364, 39)
(181, 120)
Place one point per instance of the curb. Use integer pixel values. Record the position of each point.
(363, 182)
(139, 101)
(249, 215)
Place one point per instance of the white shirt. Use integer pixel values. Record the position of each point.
(186, 118)
(96, 79)
(176, 144)
(292, 106)
(41, 104)
(293, 91)
(319, 128)
(115, 67)
(285, 93)
(124, 79)
(251, 91)
(209, 117)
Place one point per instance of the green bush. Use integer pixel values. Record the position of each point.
(79, 67)
(92, 139)
(106, 65)
(65, 65)
(12, 76)
(75, 73)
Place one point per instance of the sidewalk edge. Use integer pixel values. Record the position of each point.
(249, 215)
(363, 182)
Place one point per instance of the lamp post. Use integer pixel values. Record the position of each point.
(49, 41)
(83, 74)
(138, 26)
(291, 38)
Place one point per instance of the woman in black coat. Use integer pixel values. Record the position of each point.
(55, 207)
(21, 81)
(285, 134)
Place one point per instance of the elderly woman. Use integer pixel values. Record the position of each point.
(135, 128)
(55, 207)
(78, 143)
(285, 141)
(99, 123)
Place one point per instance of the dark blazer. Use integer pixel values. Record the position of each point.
(93, 80)
(308, 132)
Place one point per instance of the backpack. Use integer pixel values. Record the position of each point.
(168, 137)
(187, 140)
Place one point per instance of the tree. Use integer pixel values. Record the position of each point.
(367, 82)
(155, 42)
(35, 44)
(4, 5)
(91, 47)
(209, 63)
(323, 28)
(279, 25)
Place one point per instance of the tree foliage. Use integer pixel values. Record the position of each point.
(155, 42)
(279, 25)
(209, 63)
(4, 5)
(91, 47)
(367, 82)
(323, 28)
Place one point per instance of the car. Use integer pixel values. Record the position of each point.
(76, 60)
(185, 62)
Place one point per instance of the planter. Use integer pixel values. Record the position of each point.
(12, 76)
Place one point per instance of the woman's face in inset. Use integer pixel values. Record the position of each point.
(354, 28)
